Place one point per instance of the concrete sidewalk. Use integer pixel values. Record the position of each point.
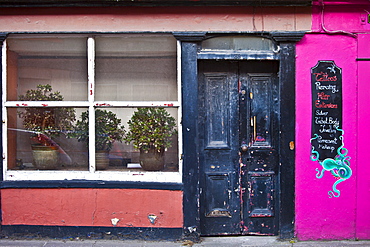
(240, 241)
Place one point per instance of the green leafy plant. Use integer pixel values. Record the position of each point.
(46, 122)
(151, 129)
(108, 129)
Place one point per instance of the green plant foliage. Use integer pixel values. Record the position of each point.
(151, 128)
(108, 129)
(50, 121)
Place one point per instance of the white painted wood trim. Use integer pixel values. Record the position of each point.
(73, 104)
(139, 176)
(179, 112)
(4, 115)
(91, 173)
(78, 104)
(137, 103)
(91, 95)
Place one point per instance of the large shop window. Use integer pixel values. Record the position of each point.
(95, 108)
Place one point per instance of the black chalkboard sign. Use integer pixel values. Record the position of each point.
(326, 80)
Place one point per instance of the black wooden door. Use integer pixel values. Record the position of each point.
(238, 147)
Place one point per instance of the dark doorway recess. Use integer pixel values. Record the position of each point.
(239, 147)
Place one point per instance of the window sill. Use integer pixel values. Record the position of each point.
(132, 176)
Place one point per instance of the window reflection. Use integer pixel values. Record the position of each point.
(238, 43)
(45, 147)
(123, 154)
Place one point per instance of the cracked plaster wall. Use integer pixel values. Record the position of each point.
(92, 207)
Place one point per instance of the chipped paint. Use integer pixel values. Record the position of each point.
(102, 104)
(152, 218)
(192, 229)
(114, 221)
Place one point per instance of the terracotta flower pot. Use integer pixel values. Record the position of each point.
(45, 157)
(101, 159)
(152, 160)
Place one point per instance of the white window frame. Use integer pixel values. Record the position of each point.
(92, 173)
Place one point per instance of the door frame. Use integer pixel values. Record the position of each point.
(190, 42)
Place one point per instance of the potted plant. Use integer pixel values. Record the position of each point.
(108, 129)
(150, 131)
(45, 123)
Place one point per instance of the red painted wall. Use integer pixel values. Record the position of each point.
(91, 207)
(336, 38)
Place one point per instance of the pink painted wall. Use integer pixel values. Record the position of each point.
(317, 215)
(363, 177)
(337, 16)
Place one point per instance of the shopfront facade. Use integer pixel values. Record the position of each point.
(235, 77)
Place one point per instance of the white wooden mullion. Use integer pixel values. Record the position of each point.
(4, 110)
(179, 110)
(73, 104)
(137, 176)
(136, 104)
(77, 104)
(91, 94)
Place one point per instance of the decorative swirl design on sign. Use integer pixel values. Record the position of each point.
(339, 166)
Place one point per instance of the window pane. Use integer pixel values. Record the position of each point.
(130, 67)
(59, 62)
(238, 43)
(136, 68)
(125, 155)
(40, 138)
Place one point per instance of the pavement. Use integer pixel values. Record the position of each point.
(239, 241)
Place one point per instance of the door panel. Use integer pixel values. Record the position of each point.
(220, 210)
(217, 121)
(259, 112)
(261, 202)
(260, 109)
(238, 136)
(261, 194)
(218, 185)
